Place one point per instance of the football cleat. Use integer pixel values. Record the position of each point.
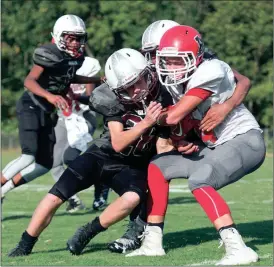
(81, 238)
(99, 204)
(236, 250)
(23, 248)
(130, 240)
(75, 205)
(152, 243)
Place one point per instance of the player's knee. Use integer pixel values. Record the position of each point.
(204, 176)
(131, 199)
(54, 200)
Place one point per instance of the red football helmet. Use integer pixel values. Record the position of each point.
(184, 46)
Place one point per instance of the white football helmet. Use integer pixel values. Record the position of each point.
(153, 34)
(73, 26)
(123, 69)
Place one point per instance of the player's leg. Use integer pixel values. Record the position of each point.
(28, 125)
(227, 164)
(130, 184)
(61, 157)
(162, 168)
(130, 240)
(77, 177)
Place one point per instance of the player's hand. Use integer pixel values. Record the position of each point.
(58, 101)
(186, 148)
(214, 116)
(153, 111)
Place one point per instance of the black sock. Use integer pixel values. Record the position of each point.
(28, 238)
(161, 225)
(95, 226)
(226, 227)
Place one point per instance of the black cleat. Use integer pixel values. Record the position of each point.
(130, 240)
(80, 239)
(23, 248)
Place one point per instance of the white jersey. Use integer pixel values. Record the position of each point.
(216, 76)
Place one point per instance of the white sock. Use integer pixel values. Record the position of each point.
(8, 186)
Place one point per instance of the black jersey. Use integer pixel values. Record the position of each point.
(59, 71)
(141, 151)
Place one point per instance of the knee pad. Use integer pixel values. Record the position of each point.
(33, 171)
(17, 165)
(206, 175)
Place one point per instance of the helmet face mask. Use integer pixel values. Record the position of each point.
(73, 43)
(69, 34)
(130, 77)
(178, 66)
(138, 89)
(180, 51)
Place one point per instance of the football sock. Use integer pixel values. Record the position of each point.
(95, 226)
(161, 225)
(226, 227)
(28, 238)
(8, 186)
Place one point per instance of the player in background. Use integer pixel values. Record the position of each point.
(56, 66)
(215, 115)
(74, 131)
(119, 158)
(231, 150)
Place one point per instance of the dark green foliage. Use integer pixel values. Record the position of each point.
(239, 31)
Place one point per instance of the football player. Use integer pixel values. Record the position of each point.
(215, 115)
(231, 150)
(119, 158)
(55, 68)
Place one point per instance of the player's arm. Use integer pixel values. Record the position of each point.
(32, 85)
(86, 80)
(218, 112)
(120, 139)
(89, 88)
(185, 106)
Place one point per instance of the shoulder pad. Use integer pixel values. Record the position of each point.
(47, 56)
(208, 76)
(89, 68)
(105, 102)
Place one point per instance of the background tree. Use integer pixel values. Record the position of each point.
(239, 31)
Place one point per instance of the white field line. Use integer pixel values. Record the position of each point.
(211, 262)
(41, 187)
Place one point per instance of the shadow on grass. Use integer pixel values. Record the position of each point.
(261, 232)
(28, 216)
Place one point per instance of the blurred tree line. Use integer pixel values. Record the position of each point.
(240, 32)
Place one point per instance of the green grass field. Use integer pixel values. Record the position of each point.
(189, 237)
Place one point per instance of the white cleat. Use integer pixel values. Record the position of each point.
(152, 244)
(236, 250)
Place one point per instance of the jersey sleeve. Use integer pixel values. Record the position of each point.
(208, 76)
